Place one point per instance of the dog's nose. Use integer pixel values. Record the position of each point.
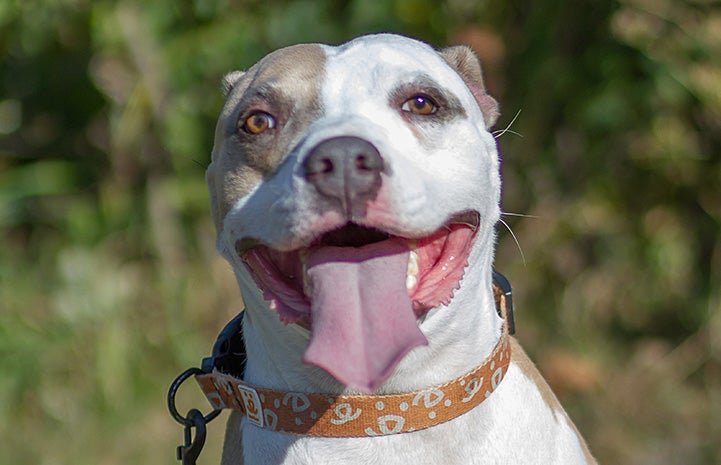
(347, 169)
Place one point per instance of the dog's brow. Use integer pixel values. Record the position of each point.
(267, 91)
(422, 80)
(424, 83)
(266, 95)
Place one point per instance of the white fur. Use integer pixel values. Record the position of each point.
(455, 171)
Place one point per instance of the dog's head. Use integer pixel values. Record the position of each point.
(353, 184)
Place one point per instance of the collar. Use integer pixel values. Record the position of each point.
(329, 415)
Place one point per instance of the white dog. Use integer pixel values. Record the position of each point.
(356, 191)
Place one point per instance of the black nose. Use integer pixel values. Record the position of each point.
(347, 169)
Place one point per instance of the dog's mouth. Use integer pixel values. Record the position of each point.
(361, 290)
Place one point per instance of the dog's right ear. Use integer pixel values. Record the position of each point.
(230, 80)
(465, 62)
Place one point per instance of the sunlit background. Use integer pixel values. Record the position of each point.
(110, 284)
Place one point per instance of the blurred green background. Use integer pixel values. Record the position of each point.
(110, 284)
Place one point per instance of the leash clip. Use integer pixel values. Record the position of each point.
(188, 453)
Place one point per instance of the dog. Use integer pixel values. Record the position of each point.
(356, 190)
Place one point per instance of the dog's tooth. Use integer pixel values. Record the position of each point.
(412, 264)
(411, 282)
(413, 269)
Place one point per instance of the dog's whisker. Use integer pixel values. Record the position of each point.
(515, 239)
(521, 215)
(510, 132)
(500, 132)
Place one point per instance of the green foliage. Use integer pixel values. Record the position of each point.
(110, 285)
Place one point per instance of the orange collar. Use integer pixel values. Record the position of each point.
(329, 415)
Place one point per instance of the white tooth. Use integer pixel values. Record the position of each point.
(411, 282)
(412, 264)
(412, 273)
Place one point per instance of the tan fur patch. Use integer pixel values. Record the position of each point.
(280, 87)
(529, 370)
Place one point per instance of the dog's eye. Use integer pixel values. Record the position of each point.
(420, 105)
(258, 123)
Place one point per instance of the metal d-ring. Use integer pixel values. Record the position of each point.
(174, 390)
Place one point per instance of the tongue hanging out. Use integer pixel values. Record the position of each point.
(362, 319)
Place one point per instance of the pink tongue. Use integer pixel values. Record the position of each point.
(362, 320)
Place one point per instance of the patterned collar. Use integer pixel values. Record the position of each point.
(329, 415)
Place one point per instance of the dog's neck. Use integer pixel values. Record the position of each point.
(468, 326)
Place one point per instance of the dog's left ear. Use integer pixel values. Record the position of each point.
(230, 80)
(465, 62)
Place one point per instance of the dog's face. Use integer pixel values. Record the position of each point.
(352, 183)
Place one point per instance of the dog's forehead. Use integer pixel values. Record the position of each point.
(383, 60)
(382, 49)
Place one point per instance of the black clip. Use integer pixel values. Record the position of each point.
(229, 350)
(505, 285)
(189, 452)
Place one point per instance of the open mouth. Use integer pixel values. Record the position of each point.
(435, 265)
(360, 292)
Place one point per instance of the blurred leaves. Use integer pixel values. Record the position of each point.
(108, 276)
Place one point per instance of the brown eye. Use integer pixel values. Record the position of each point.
(258, 123)
(420, 105)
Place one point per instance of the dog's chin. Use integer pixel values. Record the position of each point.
(436, 265)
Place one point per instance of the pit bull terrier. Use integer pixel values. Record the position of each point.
(355, 190)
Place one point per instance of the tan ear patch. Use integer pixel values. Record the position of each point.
(465, 62)
(230, 80)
